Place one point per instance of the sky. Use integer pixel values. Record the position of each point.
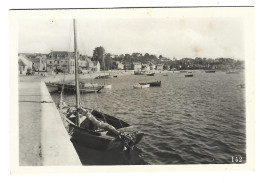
(170, 37)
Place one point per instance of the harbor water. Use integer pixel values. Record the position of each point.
(188, 120)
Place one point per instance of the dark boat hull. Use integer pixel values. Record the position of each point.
(101, 140)
(72, 89)
(189, 75)
(150, 74)
(52, 87)
(104, 77)
(153, 84)
(210, 71)
(139, 73)
(97, 140)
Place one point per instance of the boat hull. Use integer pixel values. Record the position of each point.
(52, 87)
(95, 141)
(104, 77)
(101, 140)
(141, 86)
(72, 89)
(210, 71)
(150, 74)
(139, 73)
(153, 84)
(188, 75)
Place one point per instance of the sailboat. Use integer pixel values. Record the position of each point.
(69, 88)
(91, 128)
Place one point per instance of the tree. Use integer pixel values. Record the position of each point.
(127, 57)
(107, 61)
(98, 55)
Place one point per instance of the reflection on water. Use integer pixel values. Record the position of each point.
(186, 120)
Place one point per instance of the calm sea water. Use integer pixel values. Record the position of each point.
(198, 120)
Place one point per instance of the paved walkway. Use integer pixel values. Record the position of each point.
(30, 123)
(43, 139)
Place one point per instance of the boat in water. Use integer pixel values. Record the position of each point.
(141, 86)
(152, 84)
(52, 86)
(210, 71)
(139, 73)
(188, 75)
(92, 128)
(104, 77)
(69, 88)
(150, 74)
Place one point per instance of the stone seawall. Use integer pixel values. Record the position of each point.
(57, 148)
(43, 139)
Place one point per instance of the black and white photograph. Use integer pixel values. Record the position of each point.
(133, 86)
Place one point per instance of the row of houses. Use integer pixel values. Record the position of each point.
(64, 61)
(56, 61)
(138, 66)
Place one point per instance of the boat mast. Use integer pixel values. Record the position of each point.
(76, 73)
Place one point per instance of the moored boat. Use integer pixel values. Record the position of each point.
(104, 77)
(150, 74)
(210, 71)
(152, 84)
(69, 88)
(141, 86)
(188, 75)
(94, 129)
(52, 87)
(139, 73)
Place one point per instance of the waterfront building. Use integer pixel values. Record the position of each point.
(96, 67)
(137, 66)
(120, 65)
(159, 67)
(60, 60)
(35, 62)
(145, 67)
(152, 66)
(65, 62)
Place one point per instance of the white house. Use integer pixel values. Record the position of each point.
(96, 66)
(120, 66)
(137, 66)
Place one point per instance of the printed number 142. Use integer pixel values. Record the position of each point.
(236, 159)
